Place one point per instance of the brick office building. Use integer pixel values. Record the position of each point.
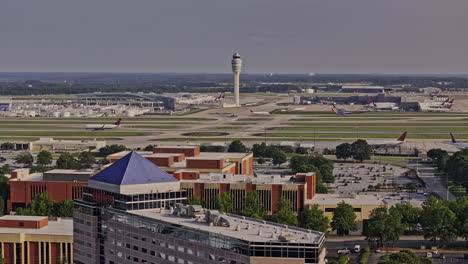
(297, 189)
(132, 212)
(59, 184)
(35, 239)
(180, 158)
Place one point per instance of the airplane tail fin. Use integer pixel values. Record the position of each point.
(453, 138)
(451, 101)
(402, 137)
(251, 111)
(118, 121)
(334, 110)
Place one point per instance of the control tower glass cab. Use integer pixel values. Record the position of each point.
(236, 63)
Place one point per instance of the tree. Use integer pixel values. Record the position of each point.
(67, 161)
(344, 219)
(438, 221)
(2, 205)
(253, 206)
(7, 146)
(237, 146)
(111, 149)
(224, 202)
(279, 158)
(343, 151)
(86, 159)
(409, 214)
(42, 205)
(384, 226)
(63, 208)
(315, 219)
(38, 168)
(194, 200)
(5, 169)
(361, 150)
(259, 150)
(460, 208)
(25, 158)
(436, 153)
(44, 158)
(149, 148)
(406, 256)
(285, 214)
(261, 160)
(205, 148)
(301, 150)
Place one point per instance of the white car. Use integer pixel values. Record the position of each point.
(357, 248)
(429, 254)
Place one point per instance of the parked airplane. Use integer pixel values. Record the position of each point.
(388, 143)
(259, 113)
(341, 111)
(103, 126)
(458, 144)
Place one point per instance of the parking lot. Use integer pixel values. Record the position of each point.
(387, 181)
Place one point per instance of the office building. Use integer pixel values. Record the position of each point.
(181, 158)
(271, 188)
(36, 239)
(133, 212)
(59, 184)
(63, 145)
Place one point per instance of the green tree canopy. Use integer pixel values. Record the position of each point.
(149, 148)
(344, 151)
(409, 214)
(438, 221)
(44, 158)
(384, 226)
(67, 161)
(406, 257)
(224, 202)
(43, 205)
(86, 159)
(361, 150)
(285, 214)
(194, 200)
(253, 206)
(7, 146)
(24, 157)
(111, 149)
(237, 146)
(315, 219)
(344, 219)
(279, 158)
(436, 153)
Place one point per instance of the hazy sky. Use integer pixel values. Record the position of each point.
(278, 36)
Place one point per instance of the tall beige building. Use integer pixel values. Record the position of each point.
(236, 69)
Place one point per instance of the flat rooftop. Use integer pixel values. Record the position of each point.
(22, 217)
(241, 178)
(61, 227)
(364, 199)
(77, 172)
(240, 228)
(203, 155)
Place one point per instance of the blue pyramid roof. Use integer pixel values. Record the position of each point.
(133, 169)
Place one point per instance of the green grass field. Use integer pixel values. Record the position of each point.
(154, 126)
(71, 134)
(205, 134)
(254, 119)
(228, 139)
(35, 127)
(395, 128)
(353, 135)
(341, 118)
(226, 128)
(110, 119)
(372, 124)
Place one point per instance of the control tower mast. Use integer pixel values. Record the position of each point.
(236, 69)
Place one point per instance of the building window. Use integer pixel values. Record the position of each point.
(357, 210)
(189, 251)
(162, 255)
(152, 253)
(21, 223)
(200, 254)
(329, 210)
(170, 246)
(171, 258)
(181, 249)
(144, 250)
(180, 261)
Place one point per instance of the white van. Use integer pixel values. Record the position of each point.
(357, 248)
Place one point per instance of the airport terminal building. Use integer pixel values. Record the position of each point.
(134, 212)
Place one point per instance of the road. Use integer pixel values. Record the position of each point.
(434, 183)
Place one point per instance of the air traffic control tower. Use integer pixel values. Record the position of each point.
(236, 69)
